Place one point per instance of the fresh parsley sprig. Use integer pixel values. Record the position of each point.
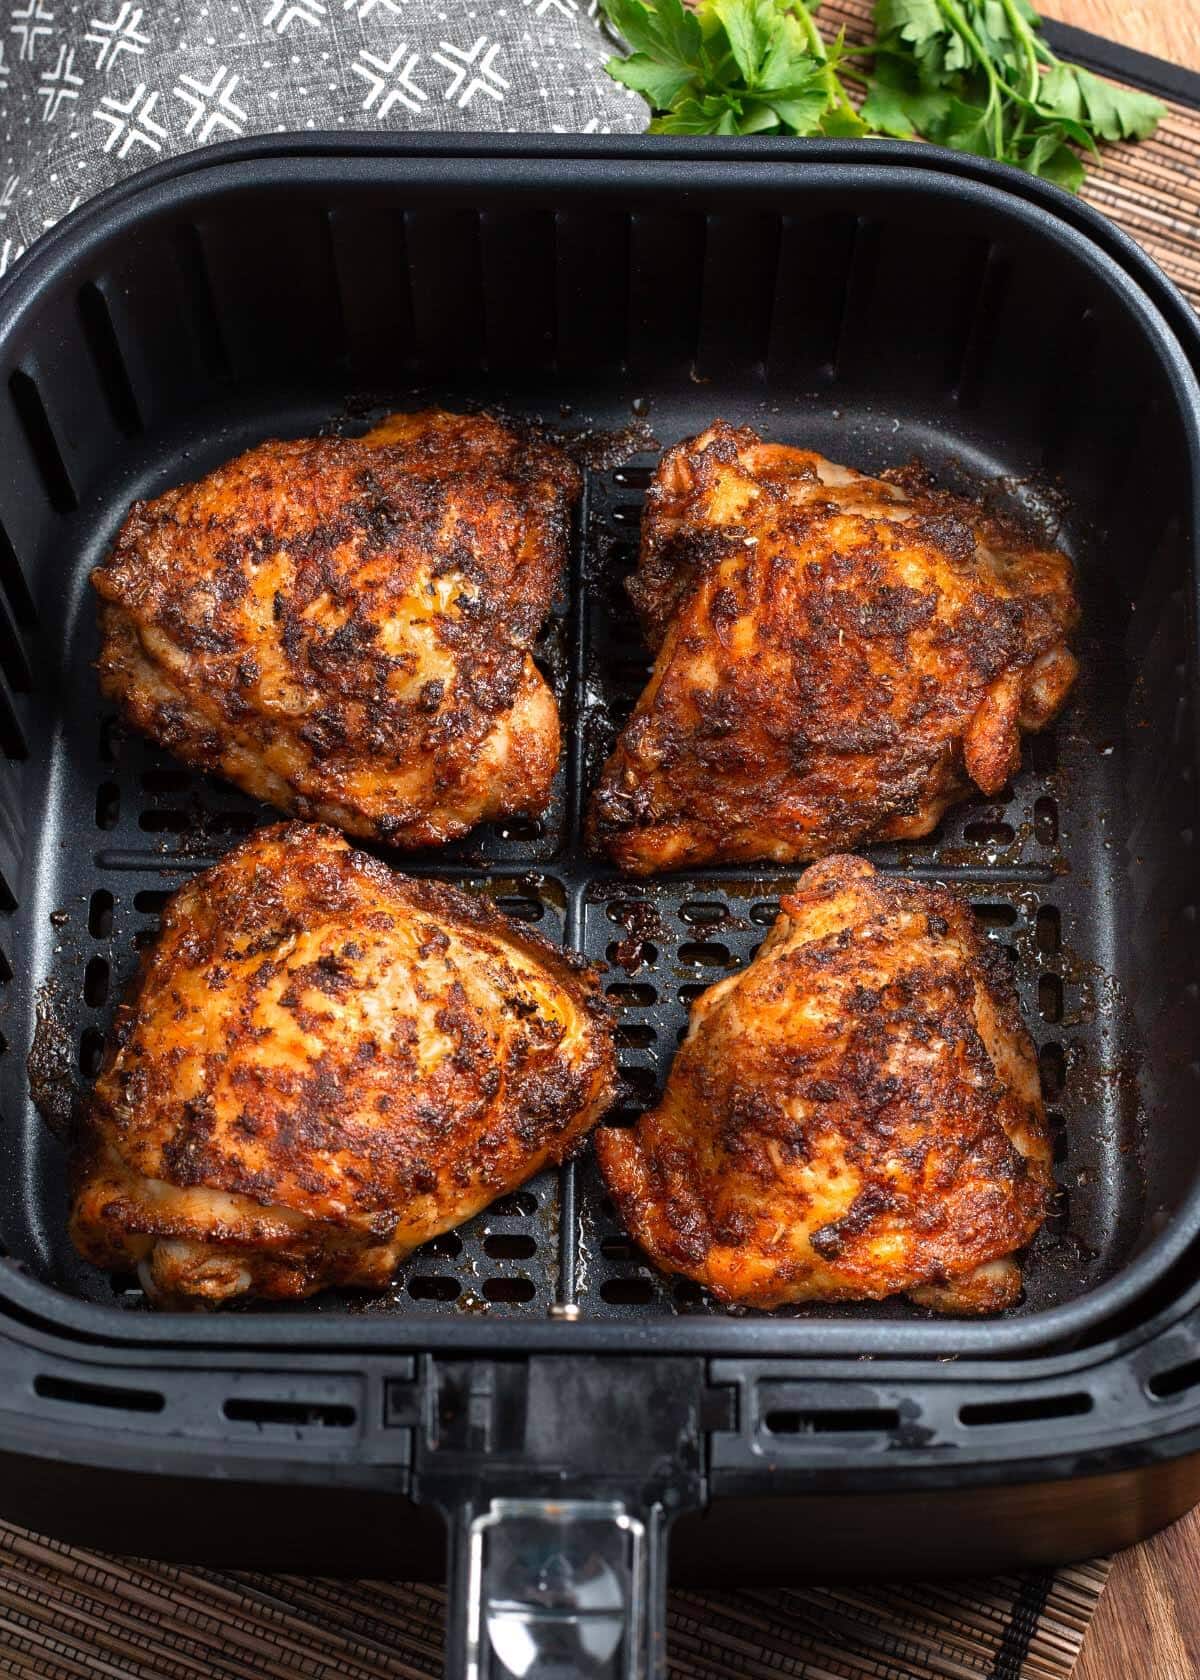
(975, 75)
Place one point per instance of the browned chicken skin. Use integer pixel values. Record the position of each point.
(855, 1115)
(321, 1065)
(838, 658)
(342, 626)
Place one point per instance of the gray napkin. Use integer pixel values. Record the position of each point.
(92, 90)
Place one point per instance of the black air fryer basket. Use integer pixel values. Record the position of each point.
(529, 1385)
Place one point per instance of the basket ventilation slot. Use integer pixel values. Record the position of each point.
(12, 737)
(12, 581)
(1166, 1384)
(43, 445)
(873, 1420)
(106, 352)
(75, 1393)
(14, 661)
(1033, 1409)
(197, 287)
(291, 1414)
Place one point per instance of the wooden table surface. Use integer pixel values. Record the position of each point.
(1166, 28)
(1148, 1623)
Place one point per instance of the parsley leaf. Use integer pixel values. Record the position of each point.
(660, 85)
(1116, 113)
(733, 67)
(748, 29)
(665, 30)
(1050, 158)
(667, 49)
(898, 105)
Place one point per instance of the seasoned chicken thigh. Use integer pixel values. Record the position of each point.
(838, 658)
(342, 626)
(321, 1065)
(855, 1115)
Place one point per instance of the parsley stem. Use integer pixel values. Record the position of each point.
(816, 43)
(954, 16)
(1023, 35)
(834, 91)
(994, 111)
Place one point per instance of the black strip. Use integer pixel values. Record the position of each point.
(1123, 64)
(1022, 1625)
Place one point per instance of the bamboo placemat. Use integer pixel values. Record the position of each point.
(67, 1614)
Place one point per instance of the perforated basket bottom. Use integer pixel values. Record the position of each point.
(126, 823)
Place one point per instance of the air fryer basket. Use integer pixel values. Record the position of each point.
(869, 308)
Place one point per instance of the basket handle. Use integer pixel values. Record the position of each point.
(556, 1589)
(558, 1477)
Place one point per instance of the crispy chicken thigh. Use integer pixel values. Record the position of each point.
(838, 658)
(342, 626)
(321, 1065)
(855, 1115)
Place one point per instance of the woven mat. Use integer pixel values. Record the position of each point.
(72, 1615)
